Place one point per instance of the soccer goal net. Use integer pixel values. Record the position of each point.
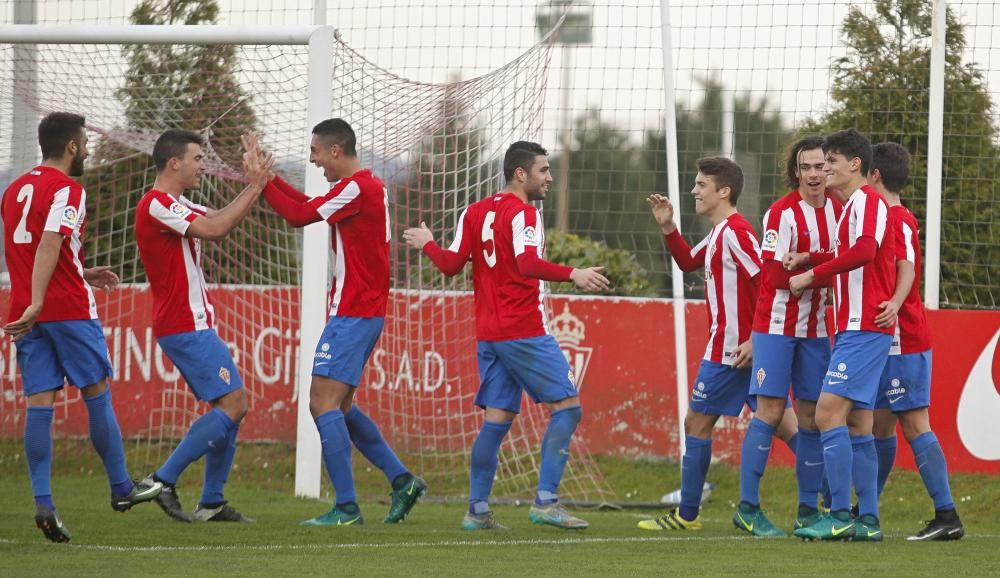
(436, 146)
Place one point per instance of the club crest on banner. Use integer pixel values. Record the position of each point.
(570, 331)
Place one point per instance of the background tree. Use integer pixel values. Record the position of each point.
(882, 88)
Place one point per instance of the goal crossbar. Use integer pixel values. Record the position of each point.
(154, 34)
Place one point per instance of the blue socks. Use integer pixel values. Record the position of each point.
(555, 452)
(107, 439)
(885, 448)
(218, 462)
(838, 464)
(369, 441)
(809, 466)
(38, 448)
(753, 460)
(208, 432)
(694, 469)
(793, 443)
(484, 464)
(933, 469)
(336, 443)
(865, 473)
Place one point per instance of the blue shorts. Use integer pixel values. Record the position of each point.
(56, 352)
(780, 362)
(906, 382)
(204, 361)
(856, 366)
(345, 346)
(720, 389)
(535, 365)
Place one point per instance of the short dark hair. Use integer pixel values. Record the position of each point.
(725, 173)
(172, 144)
(806, 143)
(852, 144)
(56, 131)
(336, 131)
(893, 164)
(521, 155)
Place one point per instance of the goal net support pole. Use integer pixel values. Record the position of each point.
(315, 254)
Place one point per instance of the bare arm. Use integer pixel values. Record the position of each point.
(46, 259)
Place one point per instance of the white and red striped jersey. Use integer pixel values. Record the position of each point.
(47, 200)
(731, 258)
(792, 225)
(357, 208)
(173, 263)
(858, 292)
(913, 334)
(492, 233)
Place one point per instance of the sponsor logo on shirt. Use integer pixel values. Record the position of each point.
(70, 215)
(179, 210)
(530, 236)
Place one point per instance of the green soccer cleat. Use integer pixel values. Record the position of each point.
(404, 499)
(755, 522)
(336, 517)
(836, 526)
(868, 529)
(481, 522)
(807, 517)
(670, 521)
(557, 516)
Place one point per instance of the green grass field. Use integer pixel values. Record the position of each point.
(144, 541)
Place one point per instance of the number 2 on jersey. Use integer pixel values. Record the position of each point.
(22, 235)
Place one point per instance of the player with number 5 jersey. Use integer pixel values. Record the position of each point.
(504, 238)
(357, 209)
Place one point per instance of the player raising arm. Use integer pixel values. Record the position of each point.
(357, 210)
(731, 259)
(503, 237)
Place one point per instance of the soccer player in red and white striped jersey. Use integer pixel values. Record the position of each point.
(504, 238)
(169, 230)
(905, 388)
(53, 315)
(730, 256)
(357, 210)
(864, 275)
(790, 344)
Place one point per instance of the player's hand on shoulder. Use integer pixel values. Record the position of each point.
(101, 278)
(17, 329)
(590, 279)
(417, 237)
(663, 212)
(794, 261)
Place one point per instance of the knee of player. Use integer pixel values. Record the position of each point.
(235, 404)
(914, 423)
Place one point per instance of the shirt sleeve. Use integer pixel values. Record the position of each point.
(66, 210)
(462, 243)
(526, 232)
(341, 202)
(905, 237)
(687, 258)
(172, 215)
(872, 217)
(743, 247)
(779, 235)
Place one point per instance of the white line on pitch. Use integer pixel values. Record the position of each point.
(378, 545)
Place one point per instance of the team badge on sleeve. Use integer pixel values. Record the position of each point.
(770, 240)
(69, 217)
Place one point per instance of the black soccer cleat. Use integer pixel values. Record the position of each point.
(222, 513)
(51, 524)
(944, 526)
(168, 501)
(142, 491)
